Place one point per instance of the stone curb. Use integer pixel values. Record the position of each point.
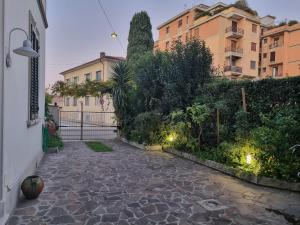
(143, 147)
(235, 172)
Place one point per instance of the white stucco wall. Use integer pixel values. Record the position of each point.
(22, 144)
(1, 95)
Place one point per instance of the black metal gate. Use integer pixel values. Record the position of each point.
(83, 125)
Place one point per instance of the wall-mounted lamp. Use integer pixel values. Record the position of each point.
(25, 50)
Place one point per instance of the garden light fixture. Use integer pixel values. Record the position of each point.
(26, 50)
(171, 137)
(248, 159)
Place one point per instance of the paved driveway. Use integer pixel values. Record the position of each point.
(130, 186)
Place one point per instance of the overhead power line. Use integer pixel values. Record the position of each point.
(110, 23)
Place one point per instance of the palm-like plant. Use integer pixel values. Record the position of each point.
(121, 84)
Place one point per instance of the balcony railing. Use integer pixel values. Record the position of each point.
(234, 49)
(235, 30)
(275, 45)
(235, 69)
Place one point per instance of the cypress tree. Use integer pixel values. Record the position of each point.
(140, 39)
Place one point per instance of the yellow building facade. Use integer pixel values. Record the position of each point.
(233, 36)
(97, 70)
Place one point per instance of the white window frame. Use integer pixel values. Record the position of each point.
(33, 121)
(100, 77)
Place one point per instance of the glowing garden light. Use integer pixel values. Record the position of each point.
(171, 138)
(248, 159)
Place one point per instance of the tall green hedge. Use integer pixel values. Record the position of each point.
(262, 97)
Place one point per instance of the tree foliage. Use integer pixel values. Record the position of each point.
(187, 69)
(168, 81)
(242, 3)
(88, 88)
(140, 39)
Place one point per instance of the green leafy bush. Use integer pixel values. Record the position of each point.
(279, 132)
(55, 142)
(146, 128)
(188, 126)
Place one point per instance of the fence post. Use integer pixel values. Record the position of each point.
(81, 121)
(244, 99)
(218, 126)
(59, 121)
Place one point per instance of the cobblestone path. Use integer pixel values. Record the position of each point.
(130, 186)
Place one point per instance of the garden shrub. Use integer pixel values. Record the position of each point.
(188, 126)
(262, 97)
(146, 128)
(279, 132)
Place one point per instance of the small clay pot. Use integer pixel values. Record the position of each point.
(32, 186)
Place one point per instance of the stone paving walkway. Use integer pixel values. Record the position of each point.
(130, 186)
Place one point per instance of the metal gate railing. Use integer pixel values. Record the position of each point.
(83, 125)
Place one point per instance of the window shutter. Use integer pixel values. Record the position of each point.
(34, 89)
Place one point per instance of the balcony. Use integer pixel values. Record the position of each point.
(275, 45)
(233, 51)
(275, 62)
(233, 70)
(234, 32)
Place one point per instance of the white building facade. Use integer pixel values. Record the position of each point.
(22, 97)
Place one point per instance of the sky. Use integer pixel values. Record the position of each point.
(78, 30)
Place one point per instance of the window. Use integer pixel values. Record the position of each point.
(265, 40)
(99, 101)
(187, 36)
(67, 101)
(275, 71)
(254, 28)
(276, 40)
(253, 46)
(167, 45)
(187, 20)
(264, 69)
(265, 55)
(87, 101)
(34, 74)
(167, 30)
(253, 65)
(196, 32)
(88, 76)
(74, 101)
(179, 23)
(76, 80)
(272, 57)
(98, 76)
(180, 38)
(234, 26)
